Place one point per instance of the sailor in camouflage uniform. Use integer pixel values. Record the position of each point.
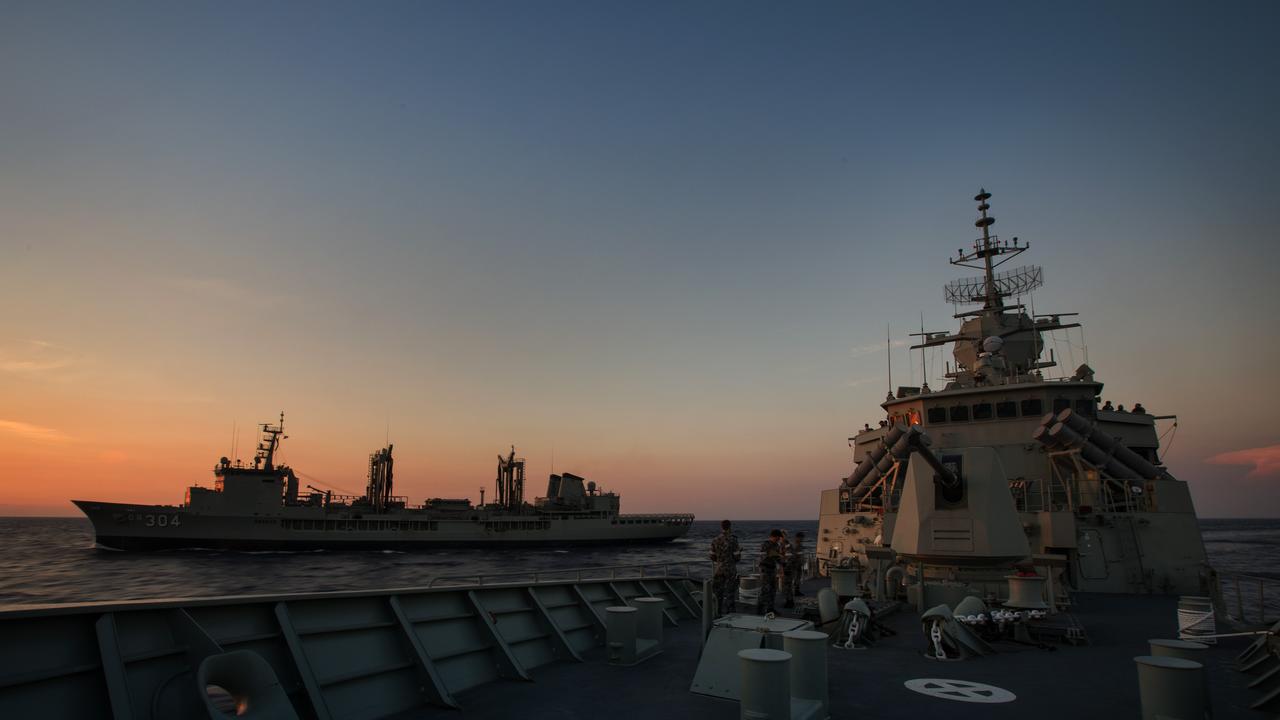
(784, 543)
(770, 558)
(792, 568)
(725, 555)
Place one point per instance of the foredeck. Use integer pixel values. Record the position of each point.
(535, 651)
(1098, 680)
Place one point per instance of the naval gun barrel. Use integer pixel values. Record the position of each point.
(943, 477)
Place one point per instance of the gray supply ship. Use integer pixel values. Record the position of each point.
(261, 507)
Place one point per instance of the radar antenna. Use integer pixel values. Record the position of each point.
(990, 252)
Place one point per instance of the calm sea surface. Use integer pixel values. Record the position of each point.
(44, 560)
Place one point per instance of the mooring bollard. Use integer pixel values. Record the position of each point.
(1184, 649)
(808, 667)
(649, 618)
(828, 606)
(766, 684)
(620, 634)
(1187, 650)
(1170, 688)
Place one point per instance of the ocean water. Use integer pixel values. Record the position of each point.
(1246, 553)
(48, 560)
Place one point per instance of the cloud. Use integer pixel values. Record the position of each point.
(35, 366)
(113, 457)
(27, 431)
(33, 357)
(1265, 460)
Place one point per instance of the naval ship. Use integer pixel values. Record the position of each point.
(261, 507)
(1004, 547)
(1035, 467)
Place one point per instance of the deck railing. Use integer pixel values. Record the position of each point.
(602, 572)
(1251, 599)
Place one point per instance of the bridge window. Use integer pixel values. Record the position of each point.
(1060, 404)
(959, 413)
(1007, 409)
(1032, 407)
(937, 415)
(1084, 406)
(982, 411)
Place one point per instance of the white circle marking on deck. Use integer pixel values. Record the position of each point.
(960, 690)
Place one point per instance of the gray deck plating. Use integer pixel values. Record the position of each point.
(1067, 683)
(532, 649)
(338, 655)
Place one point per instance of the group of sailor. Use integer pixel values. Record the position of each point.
(1137, 408)
(781, 564)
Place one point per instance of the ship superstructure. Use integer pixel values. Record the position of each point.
(261, 506)
(1048, 474)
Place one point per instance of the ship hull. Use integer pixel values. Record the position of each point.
(144, 544)
(120, 526)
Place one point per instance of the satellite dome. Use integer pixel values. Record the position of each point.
(992, 344)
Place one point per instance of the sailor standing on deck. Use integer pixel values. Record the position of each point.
(792, 570)
(784, 545)
(770, 558)
(725, 555)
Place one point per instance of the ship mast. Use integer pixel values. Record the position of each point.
(998, 342)
(268, 445)
(985, 222)
(989, 253)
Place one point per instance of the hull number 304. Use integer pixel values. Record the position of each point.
(152, 520)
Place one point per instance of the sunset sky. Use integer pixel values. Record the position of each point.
(659, 242)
